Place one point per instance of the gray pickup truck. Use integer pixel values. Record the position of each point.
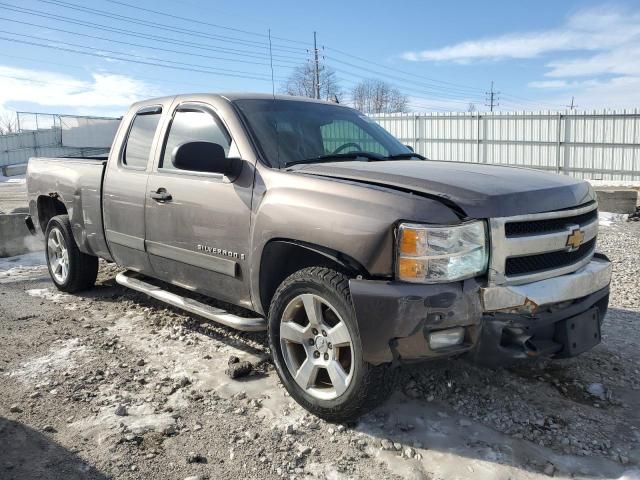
(354, 253)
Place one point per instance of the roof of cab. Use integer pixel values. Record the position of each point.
(231, 96)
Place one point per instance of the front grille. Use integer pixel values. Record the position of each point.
(538, 227)
(546, 261)
(532, 247)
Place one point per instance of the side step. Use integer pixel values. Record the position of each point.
(129, 279)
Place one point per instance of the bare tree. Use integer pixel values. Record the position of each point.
(378, 96)
(471, 107)
(8, 123)
(301, 82)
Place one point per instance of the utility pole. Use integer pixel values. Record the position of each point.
(572, 105)
(316, 67)
(492, 98)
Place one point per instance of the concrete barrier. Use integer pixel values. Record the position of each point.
(12, 170)
(617, 200)
(15, 238)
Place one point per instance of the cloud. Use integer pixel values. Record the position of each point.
(589, 30)
(103, 93)
(621, 92)
(594, 55)
(549, 84)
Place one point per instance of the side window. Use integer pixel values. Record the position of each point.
(138, 146)
(193, 126)
(342, 132)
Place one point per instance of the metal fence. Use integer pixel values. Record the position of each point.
(598, 145)
(55, 135)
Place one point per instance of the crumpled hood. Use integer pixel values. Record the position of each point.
(481, 191)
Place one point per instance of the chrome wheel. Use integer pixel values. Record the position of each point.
(316, 346)
(58, 255)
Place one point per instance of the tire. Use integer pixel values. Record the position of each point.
(359, 386)
(69, 268)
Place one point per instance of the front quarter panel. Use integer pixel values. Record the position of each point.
(354, 219)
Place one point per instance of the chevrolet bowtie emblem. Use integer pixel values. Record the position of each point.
(575, 239)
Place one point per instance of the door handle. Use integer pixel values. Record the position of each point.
(160, 195)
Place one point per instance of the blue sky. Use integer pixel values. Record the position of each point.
(98, 56)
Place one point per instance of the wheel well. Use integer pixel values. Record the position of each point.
(49, 207)
(281, 258)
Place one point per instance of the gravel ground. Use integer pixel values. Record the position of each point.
(111, 384)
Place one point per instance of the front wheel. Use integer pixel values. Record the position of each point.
(314, 338)
(70, 269)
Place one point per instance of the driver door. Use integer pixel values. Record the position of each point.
(198, 230)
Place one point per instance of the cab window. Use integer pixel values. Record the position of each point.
(138, 146)
(193, 126)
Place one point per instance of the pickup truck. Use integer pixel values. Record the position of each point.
(312, 222)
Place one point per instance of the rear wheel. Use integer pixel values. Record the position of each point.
(316, 347)
(70, 269)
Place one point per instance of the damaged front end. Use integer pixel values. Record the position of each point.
(400, 321)
(559, 317)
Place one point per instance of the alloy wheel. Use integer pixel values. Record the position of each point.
(58, 255)
(316, 346)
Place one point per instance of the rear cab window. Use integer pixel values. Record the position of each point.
(139, 142)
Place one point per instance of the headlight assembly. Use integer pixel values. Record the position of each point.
(434, 253)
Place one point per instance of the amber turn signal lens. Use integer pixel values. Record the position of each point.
(408, 242)
(410, 268)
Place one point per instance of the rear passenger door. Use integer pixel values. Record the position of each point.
(199, 237)
(125, 189)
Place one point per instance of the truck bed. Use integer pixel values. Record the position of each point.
(76, 183)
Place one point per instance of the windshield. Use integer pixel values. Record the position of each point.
(290, 131)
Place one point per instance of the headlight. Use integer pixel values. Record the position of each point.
(432, 254)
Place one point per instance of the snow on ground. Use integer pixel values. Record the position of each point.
(606, 219)
(33, 259)
(22, 267)
(20, 179)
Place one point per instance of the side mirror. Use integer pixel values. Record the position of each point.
(205, 157)
(410, 148)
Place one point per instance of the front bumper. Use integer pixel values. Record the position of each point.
(501, 324)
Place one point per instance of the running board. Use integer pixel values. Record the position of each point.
(218, 315)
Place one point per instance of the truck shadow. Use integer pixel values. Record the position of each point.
(27, 454)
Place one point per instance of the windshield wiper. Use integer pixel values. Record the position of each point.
(405, 156)
(339, 157)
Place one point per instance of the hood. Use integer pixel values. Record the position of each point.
(480, 190)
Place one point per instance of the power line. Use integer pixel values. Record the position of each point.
(429, 96)
(155, 59)
(162, 39)
(178, 17)
(434, 80)
(400, 80)
(40, 62)
(443, 89)
(525, 100)
(86, 35)
(428, 100)
(152, 61)
(171, 28)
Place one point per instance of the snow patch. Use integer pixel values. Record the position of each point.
(33, 259)
(61, 356)
(606, 219)
(205, 373)
(630, 475)
(19, 179)
(48, 294)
